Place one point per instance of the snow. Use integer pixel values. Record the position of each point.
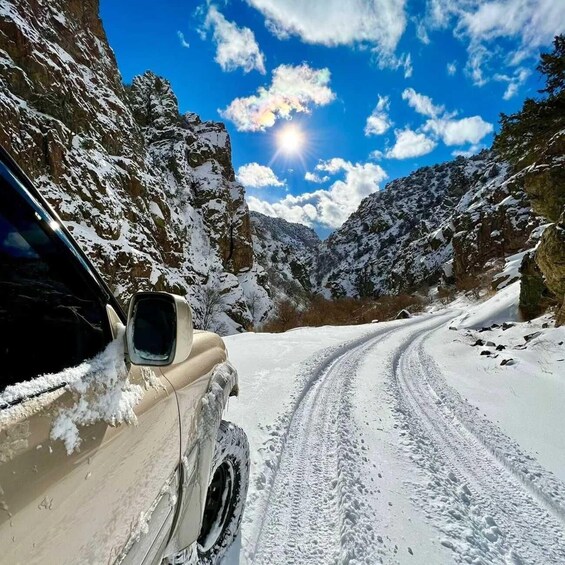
(511, 271)
(399, 443)
(526, 398)
(100, 391)
(502, 307)
(156, 210)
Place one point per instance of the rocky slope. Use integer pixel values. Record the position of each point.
(149, 193)
(543, 272)
(287, 253)
(444, 222)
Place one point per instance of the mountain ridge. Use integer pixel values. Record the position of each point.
(152, 196)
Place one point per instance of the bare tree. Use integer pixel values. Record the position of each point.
(253, 301)
(212, 303)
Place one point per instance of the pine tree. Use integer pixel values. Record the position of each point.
(524, 135)
(552, 65)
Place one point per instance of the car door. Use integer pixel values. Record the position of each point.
(89, 447)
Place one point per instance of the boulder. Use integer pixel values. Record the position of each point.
(534, 294)
(403, 315)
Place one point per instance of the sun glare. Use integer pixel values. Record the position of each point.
(290, 139)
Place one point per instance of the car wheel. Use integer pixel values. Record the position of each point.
(227, 490)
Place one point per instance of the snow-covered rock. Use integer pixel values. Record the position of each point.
(287, 252)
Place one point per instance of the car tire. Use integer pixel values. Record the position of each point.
(227, 491)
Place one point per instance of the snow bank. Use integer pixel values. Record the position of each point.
(502, 307)
(511, 271)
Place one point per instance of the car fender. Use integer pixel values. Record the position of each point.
(196, 461)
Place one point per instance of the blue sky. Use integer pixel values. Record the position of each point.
(327, 100)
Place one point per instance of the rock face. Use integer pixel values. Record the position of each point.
(544, 182)
(445, 221)
(150, 194)
(534, 294)
(287, 253)
(550, 259)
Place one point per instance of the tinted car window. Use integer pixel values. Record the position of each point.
(50, 317)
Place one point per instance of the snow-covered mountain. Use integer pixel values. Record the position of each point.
(441, 222)
(287, 252)
(150, 194)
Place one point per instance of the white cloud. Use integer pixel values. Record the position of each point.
(527, 25)
(254, 175)
(515, 81)
(334, 165)
(479, 56)
(442, 124)
(422, 32)
(458, 132)
(327, 207)
(377, 23)
(452, 68)
(410, 144)
(378, 122)
(472, 150)
(300, 214)
(374, 24)
(535, 22)
(182, 39)
(408, 68)
(292, 89)
(313, 177)
(394, 62)
(511, 91)
(421, 103)
(236, 46)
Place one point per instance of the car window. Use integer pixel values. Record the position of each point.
(50, 317)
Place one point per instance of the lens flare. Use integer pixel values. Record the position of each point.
(290, 139)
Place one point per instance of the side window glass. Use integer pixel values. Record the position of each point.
(50, 317)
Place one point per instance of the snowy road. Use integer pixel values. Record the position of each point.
(370, 456)
(313, 502)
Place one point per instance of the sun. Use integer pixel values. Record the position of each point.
(290, 139)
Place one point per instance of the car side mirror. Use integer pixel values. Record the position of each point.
(159, 329)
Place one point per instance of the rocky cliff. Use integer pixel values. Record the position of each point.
(544, 183)
(287, 253)
(151, 194)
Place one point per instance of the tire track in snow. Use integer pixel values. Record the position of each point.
(488, 509)
(314, 511)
